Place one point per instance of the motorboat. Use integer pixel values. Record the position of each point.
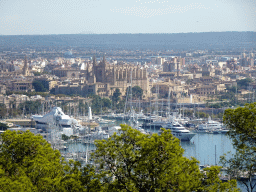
(179, 131)
(104, 121)
(55, 117)
(141, 130)
(140, 115)
(153, 122)
(209, 127)
(150, 124)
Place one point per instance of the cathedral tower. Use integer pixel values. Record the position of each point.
(94, 65)
(25, 71)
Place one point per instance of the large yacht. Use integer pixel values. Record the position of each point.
(153, 123)
(209, 127)
(179, 131)
(55, 117)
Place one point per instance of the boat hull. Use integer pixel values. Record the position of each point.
(184, 137)
(149, 126)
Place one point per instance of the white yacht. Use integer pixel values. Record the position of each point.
(210, 127)
(153, 122)
(103, 121)
(55, 117)
(179, 131)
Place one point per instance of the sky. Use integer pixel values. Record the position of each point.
(29, 17)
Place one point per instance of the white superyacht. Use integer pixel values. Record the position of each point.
(209, 127)
(179, 131)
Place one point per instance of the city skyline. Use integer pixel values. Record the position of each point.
(136, 16)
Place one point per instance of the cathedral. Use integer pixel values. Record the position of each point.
(103, 78)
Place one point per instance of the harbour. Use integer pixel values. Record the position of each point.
(201, 146)
(206, 147)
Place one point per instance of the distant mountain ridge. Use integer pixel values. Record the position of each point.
(206, 40)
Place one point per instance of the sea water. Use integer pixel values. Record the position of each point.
(207, 148)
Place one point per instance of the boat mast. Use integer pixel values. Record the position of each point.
(183, 104)
(162, 108)
(157, 88)
(169, 104)
(131, 92)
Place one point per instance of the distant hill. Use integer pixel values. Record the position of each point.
(181, 41)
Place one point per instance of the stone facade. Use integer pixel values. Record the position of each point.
(205, 90)
(173, 65)
(102, 79)
(22, 86)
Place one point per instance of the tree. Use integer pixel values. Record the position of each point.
(38, 86)
(29, 158)
(96, 104)
(28, 163)
(37, 73)
(137, 92)
(64, 137)
(3, 110)
(138, 162)
(213, 183)
(244, 83)
(232, 89)
(241, 123)
(201, 115)
(30, 107)
(3, 126)
(120, 106)
(106, 103)
(116, 96)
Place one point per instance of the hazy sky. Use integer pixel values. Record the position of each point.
(18, 17)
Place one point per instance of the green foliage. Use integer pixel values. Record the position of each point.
(52, 91)
(232, 89)
(227, 95)
(96, 104)
(120, 106)
(244, 83)
(83, 107)
(133, 161)
(137, 92)
(106, 103)
(213, 183)
(38, 86)
(28, 163)
(201, 115)
(130, 162)
(3, 111)
(64, 137)
(37, 73)
(3, 126)
(28, 158)
(116, 95)
(241, 123)
(30, 107)
(188, 113)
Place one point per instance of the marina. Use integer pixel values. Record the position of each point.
(200, 145)
(205, 146)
